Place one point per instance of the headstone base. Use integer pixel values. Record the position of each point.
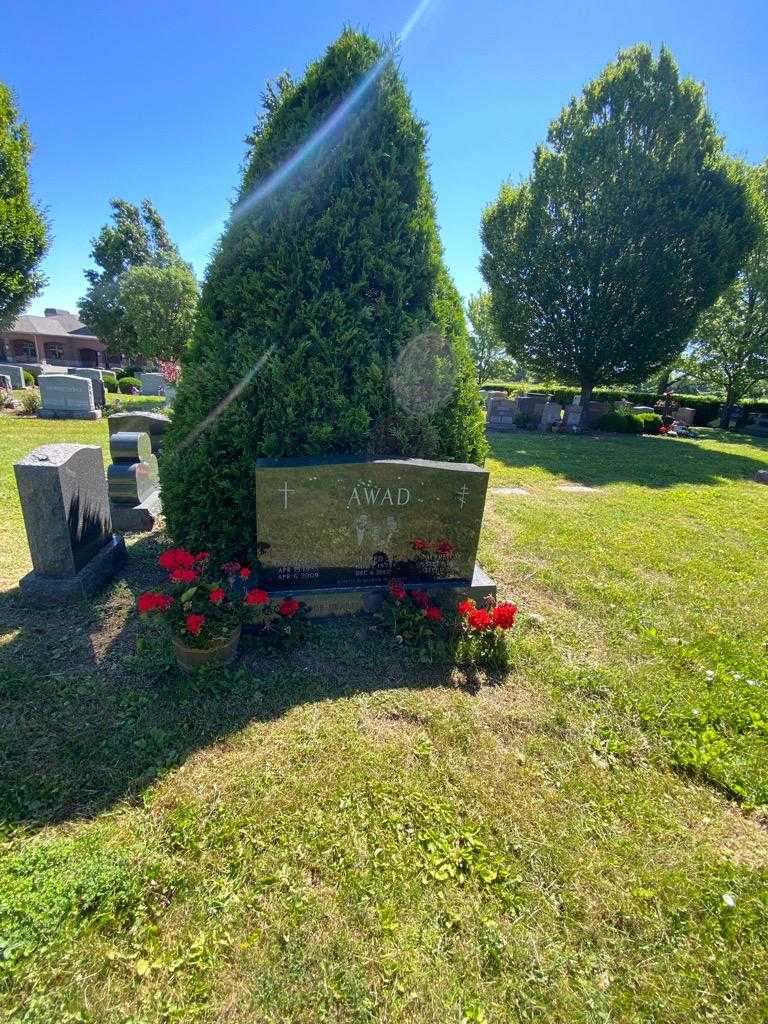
(43, 591)
(136, 518)
(762, 476)
(69, 414)
(325, 602)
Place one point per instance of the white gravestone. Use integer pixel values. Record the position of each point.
(67, 397)
(152, 383)
(16, 373)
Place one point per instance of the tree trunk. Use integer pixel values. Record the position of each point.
(725, 418)
(586, 398)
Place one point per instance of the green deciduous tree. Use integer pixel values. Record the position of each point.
(491, 359)
(730, 347)
(329, 279)
(136, 238)
(630, 225)
(23, 236)
(159, 306)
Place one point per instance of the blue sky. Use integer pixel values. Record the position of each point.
(153, 98)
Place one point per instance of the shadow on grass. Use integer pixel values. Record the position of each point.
(93, 708)
(597, 459)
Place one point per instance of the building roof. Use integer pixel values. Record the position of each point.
(57, 323)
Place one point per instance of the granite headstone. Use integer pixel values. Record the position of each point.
(153, 423)
(152, 383)
(67, 397)
(359, 523)
(132, 482)
(64, 502)
(16, 373)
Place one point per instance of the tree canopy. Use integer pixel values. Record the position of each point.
(159, 306)
(730, 344)
(326, 297)
(23, 234)
(491, 359)
(137, 237)
(631, 223)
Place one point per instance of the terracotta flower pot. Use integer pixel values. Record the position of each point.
(191, 658)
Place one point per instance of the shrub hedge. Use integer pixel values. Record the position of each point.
(29, 378)
(126, 384)
(336, 276)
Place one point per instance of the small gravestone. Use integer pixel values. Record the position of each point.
(92, 372)
(152, 423)
(685, 415)
(132, 482)
(500, 414)
(152, 383)
(551, 416)
(65, 506)
(65, 396)
(762, 476)
(342, 529)
(16, 374)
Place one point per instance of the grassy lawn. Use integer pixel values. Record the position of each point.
(340, 836)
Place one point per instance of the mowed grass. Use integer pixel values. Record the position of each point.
(336, 835)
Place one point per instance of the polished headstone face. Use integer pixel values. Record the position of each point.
(152, 423)
(66, 393)
(359, 523)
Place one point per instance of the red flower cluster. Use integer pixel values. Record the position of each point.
(182, 575)
(176, 558)
(421, 597)
(420, 545)
(194, 624)
(217, 595)
(433, 613)
(256, 596)
(397, 590)
(152, 601)
(288, 607)
(502, 615)
(445, 548)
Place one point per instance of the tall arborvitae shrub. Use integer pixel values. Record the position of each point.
(330, 266)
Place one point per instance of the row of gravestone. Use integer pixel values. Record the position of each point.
(540, 412)
(338, 529)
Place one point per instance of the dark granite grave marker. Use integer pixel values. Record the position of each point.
(358, 523)
(132, 480)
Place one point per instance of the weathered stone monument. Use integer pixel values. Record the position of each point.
(152, 423)
(132, 482)
(339, 530)
(551, 416)
(16, 374)
(500, 414)
(66, 396)
(65, 506)
(151, 383)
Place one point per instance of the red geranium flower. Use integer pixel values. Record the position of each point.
(245, 572)
(256, 596)
(465, 607)
(176, 558)
(183, 576)
(164, 602)
(445, 548)
(433, 613)
(194, 624)
(216, 596)
(504, 614)
(201, 556)
(288, 607)
(150, 601)
(479, 618)
(421, 597)
(419, 545)
(397, 590)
